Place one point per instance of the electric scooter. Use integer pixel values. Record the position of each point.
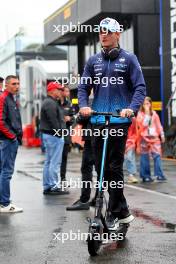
(97, 225)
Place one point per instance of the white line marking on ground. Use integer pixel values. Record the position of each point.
(150, 191)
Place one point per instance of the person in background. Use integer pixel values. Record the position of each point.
(52, 121)
(1, 84)
(10, 137)
(150, 136)
(1, 91)
(69, 119)
(86, 169)
(129, 158)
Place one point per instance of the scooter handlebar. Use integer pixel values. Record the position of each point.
(113, 114)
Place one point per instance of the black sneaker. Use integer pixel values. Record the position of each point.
(47, 191)
(57, 191)
(78, 205)
(126, 219)
(147, 180)
(161, 179)
(112, 223)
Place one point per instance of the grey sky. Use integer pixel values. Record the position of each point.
(25, 13)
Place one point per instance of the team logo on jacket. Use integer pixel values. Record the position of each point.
(122, 59)
(120, 67)
(99, 60)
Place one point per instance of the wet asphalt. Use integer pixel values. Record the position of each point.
(34, 236)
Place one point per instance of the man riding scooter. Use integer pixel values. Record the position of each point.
(124, 90)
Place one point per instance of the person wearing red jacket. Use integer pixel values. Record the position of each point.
(1, 84)
(10, 137)
(1, 87)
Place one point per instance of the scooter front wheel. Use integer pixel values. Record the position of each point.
(123, 231)
(93, 244)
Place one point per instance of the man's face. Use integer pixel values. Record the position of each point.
(109, 39)
(1, 86)
(66, 92)
(13, 86)
(57, 93)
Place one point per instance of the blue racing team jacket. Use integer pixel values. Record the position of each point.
(117, 84)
